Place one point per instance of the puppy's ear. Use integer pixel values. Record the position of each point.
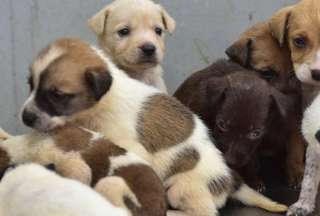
(97, 23)
(279, 24)
(281, 103)
(168, 22)
(216, 90)
(99, 82)
(240, 51)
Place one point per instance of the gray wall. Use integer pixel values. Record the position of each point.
(205, 28)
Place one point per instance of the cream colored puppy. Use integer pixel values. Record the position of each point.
(72, 81)
(33, 190)
(132, 33)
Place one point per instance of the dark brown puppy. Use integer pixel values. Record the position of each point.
(247, 116)
(257, 49)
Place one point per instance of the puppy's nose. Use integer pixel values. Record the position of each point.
(318, 136)
(29, 118)
(148, 49)
(315, 75)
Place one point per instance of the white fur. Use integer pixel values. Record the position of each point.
(311, 122)
(33, 190)
(123, 161)
(303, 71)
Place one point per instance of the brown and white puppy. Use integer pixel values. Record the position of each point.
(132, 33)
(123, 178)
(75, 82)
(258, 50)
(296, 27)
(246, 116)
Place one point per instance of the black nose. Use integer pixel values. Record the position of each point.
(318, 135)
(315, 75)
(29, 118)
(148, 49)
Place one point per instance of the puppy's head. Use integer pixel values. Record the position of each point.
(297, 27)
(258, 50)
(241, 105)
(132, 32)
(67, 77)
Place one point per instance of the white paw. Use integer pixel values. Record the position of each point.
(300, 209)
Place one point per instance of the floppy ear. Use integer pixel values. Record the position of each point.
(98, 82)
(97, 23)
(282, 103)
(168, 22)
(240, 51)
(216, 90)
(279, 24)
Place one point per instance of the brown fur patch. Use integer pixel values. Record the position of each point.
(72, 138)
(163, 123)
(147, 187)
(185, 161)
(97, 156)
(220, 185)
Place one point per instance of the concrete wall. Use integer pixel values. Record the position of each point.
(205, 28)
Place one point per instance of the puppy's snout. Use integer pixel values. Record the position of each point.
(315, 74)
(318, 136)
(148, 49)
(29, 118)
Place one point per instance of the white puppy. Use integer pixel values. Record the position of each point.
(132, 32)
(32, 190)
(3, 135)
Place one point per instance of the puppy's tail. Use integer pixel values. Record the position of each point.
(250, 197)
(4, 135)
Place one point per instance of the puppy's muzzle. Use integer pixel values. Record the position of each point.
(315, 75)
(148, 50)
(29, 118)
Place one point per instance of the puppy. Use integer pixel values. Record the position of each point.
(258, 51)
(311, 132)
(95, 94)
(246, 116)
(291, 27)
(132, 33)
(33, 190)
(125, 179)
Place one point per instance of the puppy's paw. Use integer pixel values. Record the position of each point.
(299, 209)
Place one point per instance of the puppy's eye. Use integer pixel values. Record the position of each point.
(255, 134)
(300, 42)
(222, 125)
(268, 74)
(124, 32)
(158, 31)
(59, 96)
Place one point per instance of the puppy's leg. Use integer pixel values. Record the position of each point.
(190, 201)
(117, 191)
(295, 158)
(75, 168)
(310, 184)
(251, 175)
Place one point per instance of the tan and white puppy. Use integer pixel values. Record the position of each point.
(132, 33)
(33, 190)
(123, 178)
(295, 26)
(75, 82)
